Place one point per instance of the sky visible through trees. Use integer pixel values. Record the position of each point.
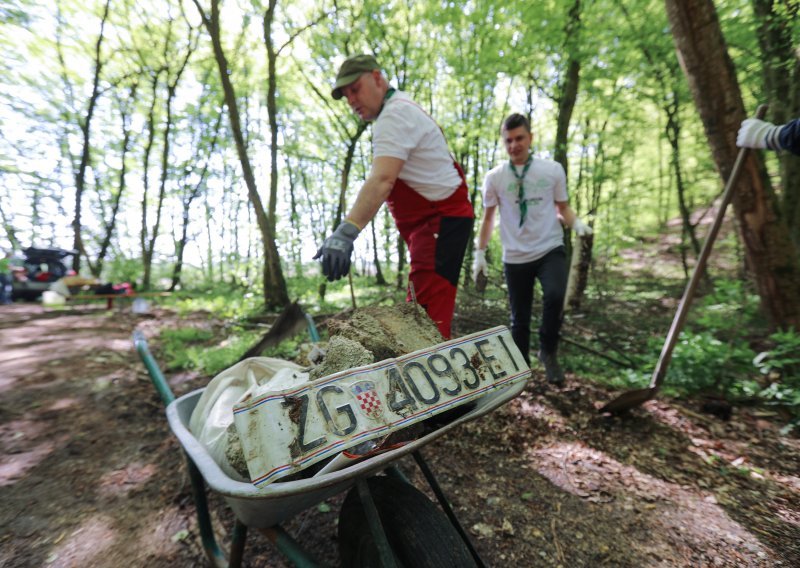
(468, 63)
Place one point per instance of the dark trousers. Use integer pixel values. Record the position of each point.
(551, 271)
(5, 288)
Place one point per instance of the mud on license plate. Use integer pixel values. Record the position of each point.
(286, 431)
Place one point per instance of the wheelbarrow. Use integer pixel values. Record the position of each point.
(384, 520)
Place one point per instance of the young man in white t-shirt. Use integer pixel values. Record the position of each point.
(532, 197)
(414, 172)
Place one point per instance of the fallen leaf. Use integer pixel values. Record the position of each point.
(180, 536)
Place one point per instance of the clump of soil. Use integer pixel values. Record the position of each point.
(234, 452)
(342, 354)
(388, 331)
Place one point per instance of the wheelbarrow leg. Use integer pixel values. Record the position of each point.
(238, 539)
(448, 510)
(213, 552)
(290, 548)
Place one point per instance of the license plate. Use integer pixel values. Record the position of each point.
(286, 431)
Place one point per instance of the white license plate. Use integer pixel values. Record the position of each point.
(286, 431)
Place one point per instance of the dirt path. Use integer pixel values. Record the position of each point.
(91, 476)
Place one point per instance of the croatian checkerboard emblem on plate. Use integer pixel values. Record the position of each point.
(368, 400)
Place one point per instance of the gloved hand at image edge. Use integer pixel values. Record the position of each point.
(581, 229)
(756, 133)
(479, 264)
(337, 250)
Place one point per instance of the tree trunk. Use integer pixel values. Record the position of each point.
(180, 246)
(568, 87)
(401, 262)
(712, 80)
(352, 142)
(125, 109)
(275, 291)
(379, 279)
(567, 97)
(148, 148)
(85, 125)
(673, 132)
(172, 85)
(781, 72)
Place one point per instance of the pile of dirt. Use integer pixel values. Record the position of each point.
(388, 331)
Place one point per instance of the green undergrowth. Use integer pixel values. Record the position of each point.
(240, 310)
(725, 348)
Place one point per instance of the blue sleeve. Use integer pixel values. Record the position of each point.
(789, 136)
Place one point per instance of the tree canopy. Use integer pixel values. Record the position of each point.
(196, 141)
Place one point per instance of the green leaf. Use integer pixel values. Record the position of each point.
(180, 536)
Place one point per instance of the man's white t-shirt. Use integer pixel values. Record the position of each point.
(543, 185)
(404, 130)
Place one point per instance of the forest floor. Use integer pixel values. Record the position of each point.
(90, 474)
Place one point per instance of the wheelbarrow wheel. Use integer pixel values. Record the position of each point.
(419, 533)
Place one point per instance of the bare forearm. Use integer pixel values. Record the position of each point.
(375, 190)
(487, 225)
(369, 200)
(566, 213)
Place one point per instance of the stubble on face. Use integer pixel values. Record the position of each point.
(364, 96)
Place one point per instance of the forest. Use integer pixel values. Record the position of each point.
(185, 146)
(192, 147)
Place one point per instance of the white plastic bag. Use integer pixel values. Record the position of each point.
(214, 411)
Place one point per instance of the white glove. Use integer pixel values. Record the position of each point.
(754, 133)
(479, 264)
(581, 229)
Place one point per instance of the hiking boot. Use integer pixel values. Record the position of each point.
(552, 370)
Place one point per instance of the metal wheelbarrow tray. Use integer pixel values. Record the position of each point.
(265, 507)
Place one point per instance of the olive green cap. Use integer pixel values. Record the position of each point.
(351, 70)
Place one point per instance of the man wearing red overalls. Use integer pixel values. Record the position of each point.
(414, 172)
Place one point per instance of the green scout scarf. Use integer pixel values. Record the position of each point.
(523, 205)
(386, 97)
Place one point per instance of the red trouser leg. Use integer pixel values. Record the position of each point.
(437, 247)
(437, 234)
(436, 295)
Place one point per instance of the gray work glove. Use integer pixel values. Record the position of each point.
(336, 251)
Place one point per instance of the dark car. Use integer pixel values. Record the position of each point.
(40, 268)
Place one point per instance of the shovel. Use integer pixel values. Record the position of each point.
(633, 398)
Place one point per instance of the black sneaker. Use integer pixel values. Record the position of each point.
(552, 370)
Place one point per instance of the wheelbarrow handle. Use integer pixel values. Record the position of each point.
(156, 376)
